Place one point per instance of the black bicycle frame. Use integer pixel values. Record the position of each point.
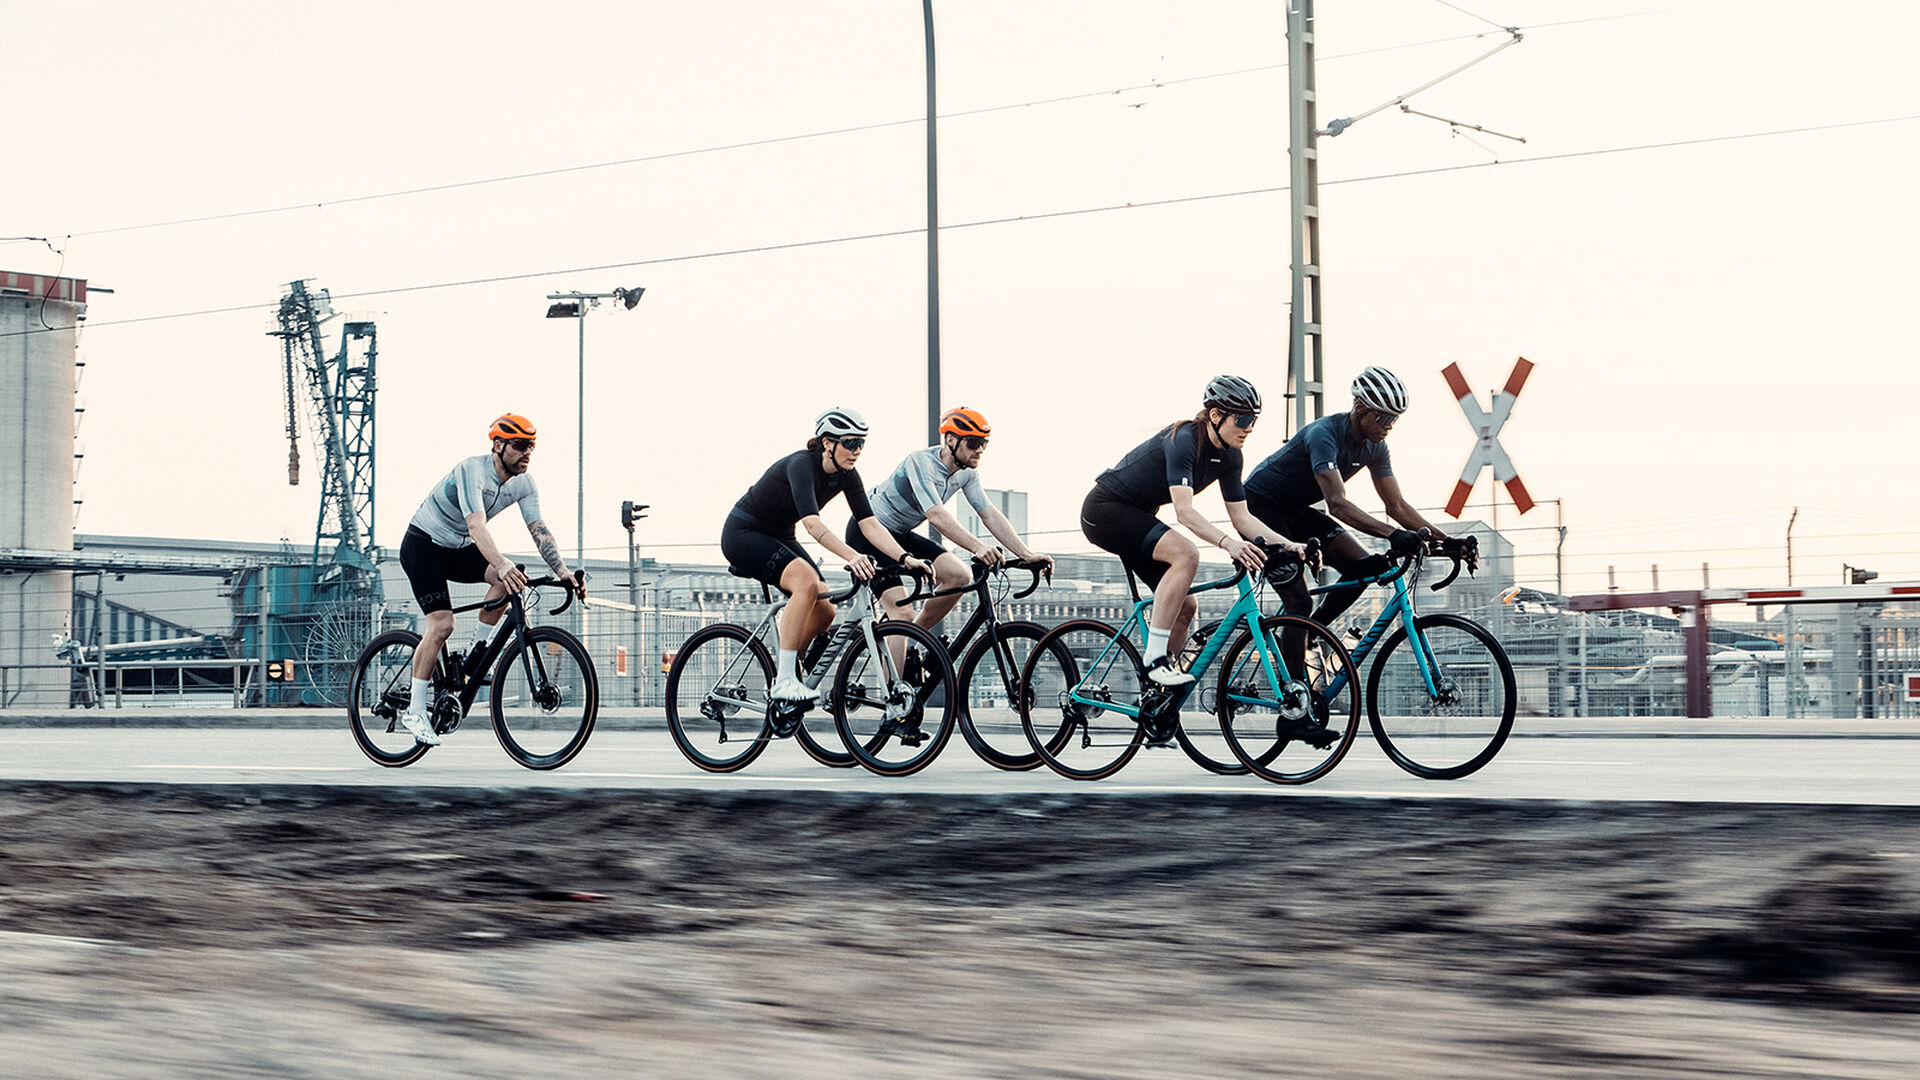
(984, 614)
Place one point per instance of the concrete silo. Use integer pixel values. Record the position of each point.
(39, 320)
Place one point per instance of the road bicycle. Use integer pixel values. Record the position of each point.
(542, 694)
(1440, 695)
(994, 652)
(1288, 726)
(893, 717)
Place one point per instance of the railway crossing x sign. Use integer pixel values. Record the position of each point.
(1487, 425)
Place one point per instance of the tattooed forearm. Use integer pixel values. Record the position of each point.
(549, 549)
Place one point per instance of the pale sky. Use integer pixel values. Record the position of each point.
(1718, 326)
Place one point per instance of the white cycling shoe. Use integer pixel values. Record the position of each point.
(1162, 673)
(420, 727)
(789, 688)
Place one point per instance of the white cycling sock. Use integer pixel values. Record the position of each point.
(789, 665)
(422, 695)
(1157, 639)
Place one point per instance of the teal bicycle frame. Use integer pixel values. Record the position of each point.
(1245, 610)
(1399, 609)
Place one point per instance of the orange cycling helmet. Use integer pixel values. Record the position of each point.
(965, 421)
(512, 426)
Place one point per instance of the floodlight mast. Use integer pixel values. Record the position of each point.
(575, 305)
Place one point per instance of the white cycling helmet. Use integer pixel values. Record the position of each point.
(839, 423)
(1380, 390)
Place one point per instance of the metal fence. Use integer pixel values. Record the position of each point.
(1823, 660)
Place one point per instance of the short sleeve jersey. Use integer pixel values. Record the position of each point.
(1171, 459)
(473, 487)
(1329, 443)
(921, 483)
(797, 486)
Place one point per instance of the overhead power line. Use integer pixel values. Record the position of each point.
(1009, 220)
(563, 170)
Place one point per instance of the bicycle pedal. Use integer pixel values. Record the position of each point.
(785, 717)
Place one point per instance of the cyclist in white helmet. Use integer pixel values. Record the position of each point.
(1314, 466)
(759, 536)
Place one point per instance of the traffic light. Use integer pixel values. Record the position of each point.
(630, 512)
(1857, 576)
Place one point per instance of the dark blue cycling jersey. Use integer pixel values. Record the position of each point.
(1286, 477)
(1173, 458)
(797, 486)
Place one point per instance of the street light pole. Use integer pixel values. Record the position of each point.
(580, 454)
(933, 239)
(575, 305)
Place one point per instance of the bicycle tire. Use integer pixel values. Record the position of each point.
(378, 689)
(1457, 734)
(1107, 739)
(1198, 738)
(1295, 733)
(700, 719)
(867, 695)
(990, 714)
(820, 745)
(544, 707)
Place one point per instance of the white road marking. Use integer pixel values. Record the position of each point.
(261, 768)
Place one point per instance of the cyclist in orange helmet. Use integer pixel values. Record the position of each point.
(448, 540)
(916, 495)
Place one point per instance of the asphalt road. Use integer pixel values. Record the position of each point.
(1720, 760)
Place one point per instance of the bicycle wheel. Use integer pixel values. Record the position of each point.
(1460, 723)
(1072, 675)
(717, 698)
(1286, 726)
(818, 733)
(895, 719)
(378, 691)
(544, 698)
(990, 707)
(1198, 732)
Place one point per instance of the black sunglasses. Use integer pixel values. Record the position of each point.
(1244, 420)
(522, 445)
(855, 445)
(973, 442)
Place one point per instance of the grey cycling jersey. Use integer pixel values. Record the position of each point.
(473, 487)
(921, 483)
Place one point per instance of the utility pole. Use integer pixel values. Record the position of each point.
(1305, 355)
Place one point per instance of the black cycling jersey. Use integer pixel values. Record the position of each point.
(1286, 478)
(1173, 458)
(797, 486)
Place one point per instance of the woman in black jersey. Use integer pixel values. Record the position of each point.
(759, 537)
(1121, 512)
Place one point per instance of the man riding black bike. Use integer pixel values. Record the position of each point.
(448, 540)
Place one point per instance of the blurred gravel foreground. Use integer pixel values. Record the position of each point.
(162, 931)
